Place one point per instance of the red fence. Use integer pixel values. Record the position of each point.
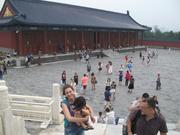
(162, 43)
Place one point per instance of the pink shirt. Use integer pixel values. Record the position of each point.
(84, 80)
(128, 76)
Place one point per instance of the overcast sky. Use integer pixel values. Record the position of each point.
(162, 13)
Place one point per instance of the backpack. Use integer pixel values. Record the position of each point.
(134, 121)
(133, 124)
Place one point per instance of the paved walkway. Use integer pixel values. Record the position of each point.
(38, 81)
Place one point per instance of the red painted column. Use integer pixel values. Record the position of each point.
(128, 39)
(142, 37)
(65, 41)
(109, 42)
(97, 44)
(20, 41)
(119, 38)
(136, 38)
(45, 47)
(82, 41)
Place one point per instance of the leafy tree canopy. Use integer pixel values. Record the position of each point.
(158, 35)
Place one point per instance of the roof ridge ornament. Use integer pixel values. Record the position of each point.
(23, 15)
(128, 12)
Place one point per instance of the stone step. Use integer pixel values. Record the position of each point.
(101, 129)
(113, 129)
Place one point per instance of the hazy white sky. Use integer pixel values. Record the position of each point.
(162, 13)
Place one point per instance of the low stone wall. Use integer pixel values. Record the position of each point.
(163, 44)
(58, 57)
(132, 49)
(71, 56)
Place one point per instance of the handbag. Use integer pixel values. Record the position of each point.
(124, 130)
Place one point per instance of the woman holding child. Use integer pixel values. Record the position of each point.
(70, 126)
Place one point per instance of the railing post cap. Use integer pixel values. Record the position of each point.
(56, 84)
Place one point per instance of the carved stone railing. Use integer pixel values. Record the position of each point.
(32, 108)
(35, 108)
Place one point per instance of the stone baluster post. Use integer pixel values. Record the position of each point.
(178, 125)
(9, 124)
(56, 105)
(5, 111)
(2, 83)
(1, 127)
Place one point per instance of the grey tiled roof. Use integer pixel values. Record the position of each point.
(43, 13)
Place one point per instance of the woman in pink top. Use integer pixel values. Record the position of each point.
(84, 81)
(127, 78)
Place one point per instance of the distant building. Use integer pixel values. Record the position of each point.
(27, 26)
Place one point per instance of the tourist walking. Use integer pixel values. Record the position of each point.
(110, 116)
(84, 81)
(148, 60)
(76, 78)
(110, 69)
(87, 57)
(99, 66)
(107, 98)
(158, 82)
(131, 85)
(88, 68)
(73, 84)
(1, 74)
(129, 65)
(113, 90)
(126, 59)
(127, 78)
(121, 68)
(26, 62)
(143, 58)
(39, 57)
(93, 81)
(108, 84)
(107, 68)
(63, 77)
(131, 60)
(140, 54)
(101, 118)
(4, 68)
(120, 77)
(70, 126)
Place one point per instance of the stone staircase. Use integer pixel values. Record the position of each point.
(116, 54)
(102, 129)
(110, 53)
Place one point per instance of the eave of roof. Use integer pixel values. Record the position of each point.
(43, 13)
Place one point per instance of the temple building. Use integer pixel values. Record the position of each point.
(30, 26)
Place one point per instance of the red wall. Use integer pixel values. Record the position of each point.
(7, 39)
(25, 42)
(162, 43)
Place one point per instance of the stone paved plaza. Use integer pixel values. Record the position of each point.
(38, 80)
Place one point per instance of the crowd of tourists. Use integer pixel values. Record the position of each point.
(144, 116)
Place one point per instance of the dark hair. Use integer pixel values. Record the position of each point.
(151, 102)
(79, 103)
(100, 113)
(92, 74)
(145, 95)
(67, 86)
(107, 109)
